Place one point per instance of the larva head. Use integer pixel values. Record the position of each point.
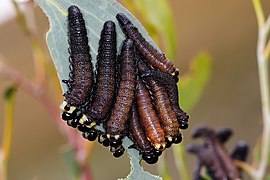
(168, 142)
(73, 123)
(183, 125)
(178, 139)
(91, 134)
(150, 157)
(157, 152)
(66, 116)
(102, 139)
(82, 128)
(173, 140)
(118, 152)
(115, 141)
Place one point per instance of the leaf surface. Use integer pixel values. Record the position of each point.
(95, 13)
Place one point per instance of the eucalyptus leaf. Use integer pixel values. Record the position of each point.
(95, 13)
(194, 82)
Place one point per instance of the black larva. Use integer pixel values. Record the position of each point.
(117, 122)
(81, 75)
(155, 58)
(105, 84)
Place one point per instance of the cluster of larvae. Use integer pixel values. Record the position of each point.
(133, 93)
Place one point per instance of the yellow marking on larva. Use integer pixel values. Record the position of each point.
(108, 136)
(157, 146)
(113, 149)
(163, 146)
(83, 119)
(116, 137)
(170, 138)
(101, 138)
(92, 124)
(72, 109)
(62, 106)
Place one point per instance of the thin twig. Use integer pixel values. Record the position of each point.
(264, 88)
(8, 131)
(179, 154)
(259, 12)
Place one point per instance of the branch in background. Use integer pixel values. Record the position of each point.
(8, 130)
(43, 67)
(27, 24)
(74, 138)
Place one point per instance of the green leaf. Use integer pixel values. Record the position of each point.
(158, 19)
(193, 83)
(137, 171)
(95, 13)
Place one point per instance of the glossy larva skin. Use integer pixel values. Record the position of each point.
(148, 117)
(139, 138)
(169, 83)
(81, 70)
(162, 103)
(165, 113)
(105, 86)
(155, 58)
(117, 122)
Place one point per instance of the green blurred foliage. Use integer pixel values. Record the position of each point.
(193, 83)
(73, 166)
(157, 18)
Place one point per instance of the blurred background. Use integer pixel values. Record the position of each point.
(227, 30)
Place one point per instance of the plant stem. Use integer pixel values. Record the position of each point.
(8, 131)
(264, 88)
(259, 12)
(179, 155)
(162, 168)
(262, 58)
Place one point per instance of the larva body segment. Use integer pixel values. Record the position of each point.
(105, 85)
(169, 83)
(165, 113)
(148, 117)
(117, 122)
(140, 139)
(155, 58)
(81, 75)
